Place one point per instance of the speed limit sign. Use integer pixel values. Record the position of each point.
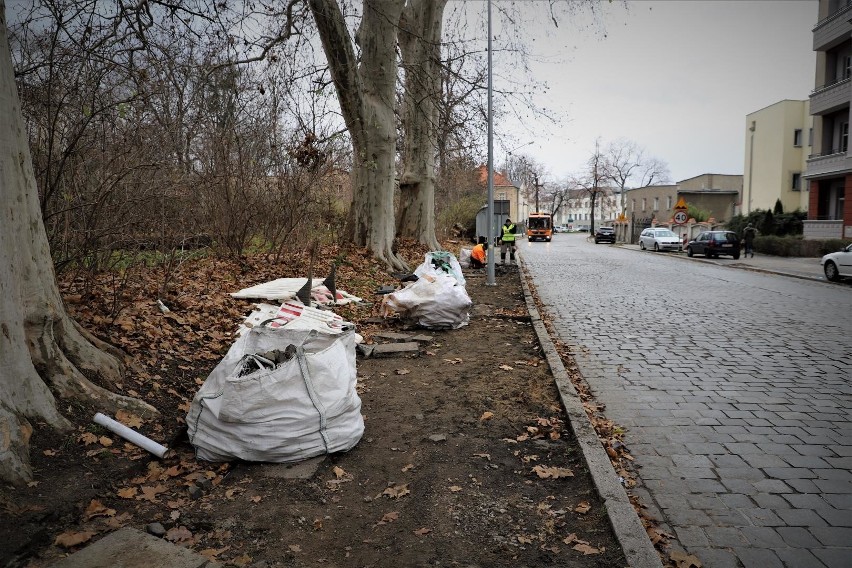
(680, 217)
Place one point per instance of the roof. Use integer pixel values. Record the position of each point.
(500, 179)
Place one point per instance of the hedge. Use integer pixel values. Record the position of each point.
(795, 245)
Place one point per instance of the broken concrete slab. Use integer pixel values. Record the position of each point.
(302, 470)
(396, 349)
(364, 350)
(423, 338)
(131, 548)
(392, 336)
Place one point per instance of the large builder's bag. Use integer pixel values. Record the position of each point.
(279, 395)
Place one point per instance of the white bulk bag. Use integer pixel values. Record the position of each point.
(303, 407)
(436, 301)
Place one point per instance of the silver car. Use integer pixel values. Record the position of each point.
(837, 264)
(658, 239)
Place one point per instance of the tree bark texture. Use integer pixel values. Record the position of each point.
(366, 92)
(42, 351)
(421, 29)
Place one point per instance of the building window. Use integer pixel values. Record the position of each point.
(797, 181)
(669, 202)
(501, 196)
(844, 136)
(797, 137)
(810, 136)
(644, 204)
(632, 205)
(656, 204)
(847, 67)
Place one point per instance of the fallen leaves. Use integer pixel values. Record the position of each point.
(581, 545)
(422, 531)
(397, 491)
(97, 509)
(487, 415)
(150, 493)
(388, 518)
(340, 477)
(684, 560)
(583, 507)
(127, 492)
(548, 472)
(178, 534)
(70, 539)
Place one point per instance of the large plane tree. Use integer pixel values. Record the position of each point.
(365, 84)
(43, 352)
(420, 45)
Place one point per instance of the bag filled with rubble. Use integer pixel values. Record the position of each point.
(438, 298)
(279, 395)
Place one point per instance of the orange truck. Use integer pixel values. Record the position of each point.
(540, 227)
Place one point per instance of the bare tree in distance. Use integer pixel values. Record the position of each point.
(627, 162)
(592, 181)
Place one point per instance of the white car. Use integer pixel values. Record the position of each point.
(658, 239)
(837, 264)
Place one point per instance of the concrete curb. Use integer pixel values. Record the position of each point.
(637, 547)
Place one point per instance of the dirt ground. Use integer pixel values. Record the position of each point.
(466, 459)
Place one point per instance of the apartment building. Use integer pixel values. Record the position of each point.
(829, 167)
(576, 207)
(778, 141)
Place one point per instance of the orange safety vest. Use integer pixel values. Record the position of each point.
(478, 253)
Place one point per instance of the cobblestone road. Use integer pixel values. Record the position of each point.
(735, 388)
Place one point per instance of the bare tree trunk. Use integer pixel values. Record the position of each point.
(366, 92)
(40, 346)
(420, 44)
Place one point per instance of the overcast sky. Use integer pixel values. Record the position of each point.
(676, 76)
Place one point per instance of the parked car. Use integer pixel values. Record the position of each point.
(659, 239)
(583, 228)
(604, 234)
(715, 243)
(837, 264)
(560, 229)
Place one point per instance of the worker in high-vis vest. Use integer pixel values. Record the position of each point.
(507, 241)
(478, 255)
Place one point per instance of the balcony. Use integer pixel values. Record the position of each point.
(831, 97)
(833, 30)
(831, 162)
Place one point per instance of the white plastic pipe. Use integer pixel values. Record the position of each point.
(131, 436)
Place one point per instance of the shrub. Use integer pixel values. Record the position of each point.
(769, 223)
(461, 212)
(795, 245)
(698, 214)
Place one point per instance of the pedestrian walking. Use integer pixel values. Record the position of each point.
(507, 241)
(749, 233)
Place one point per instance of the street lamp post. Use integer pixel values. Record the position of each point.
(490, 279)
(537, 185)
